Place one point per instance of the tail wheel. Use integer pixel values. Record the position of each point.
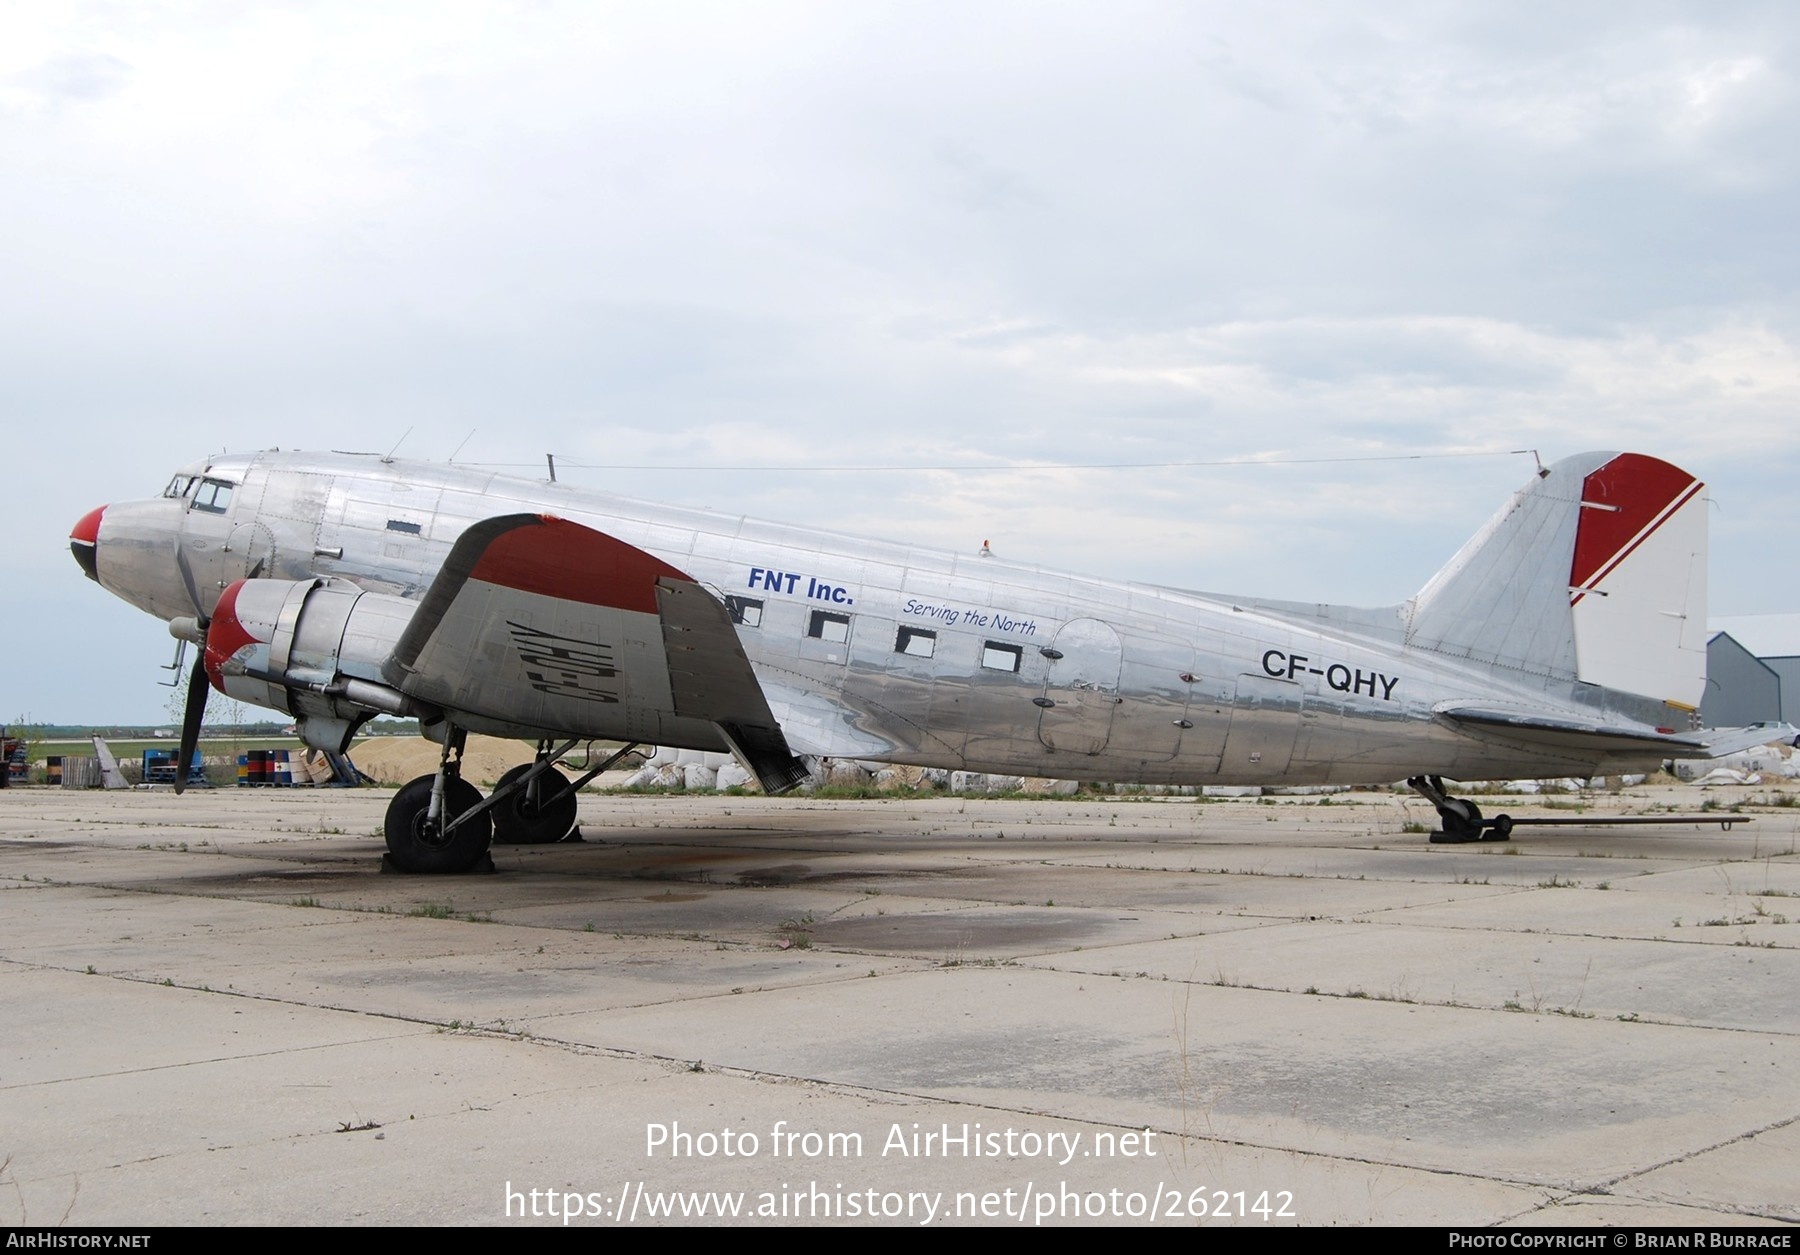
(1461, 820)
(416, 843)
(523, 819)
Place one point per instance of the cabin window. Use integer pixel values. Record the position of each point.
(744, 611)
(916, 642)
(998, 657)
(214, 496)
(831, 628)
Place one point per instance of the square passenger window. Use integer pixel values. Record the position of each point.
(744, 611)
(917, 642)
(829, 627)
(998, 657)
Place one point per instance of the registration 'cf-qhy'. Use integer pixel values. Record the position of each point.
(1568, 637)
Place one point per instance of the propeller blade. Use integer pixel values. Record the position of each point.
(190, 719)
(187, 578)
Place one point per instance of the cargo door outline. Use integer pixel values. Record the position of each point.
(1156, 723)
(295, 505)
(1081, 687)
(1265, 725)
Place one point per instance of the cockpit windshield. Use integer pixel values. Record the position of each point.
(213, 496)
(201, 491)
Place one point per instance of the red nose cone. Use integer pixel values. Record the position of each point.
(83, 540)
(88, 530)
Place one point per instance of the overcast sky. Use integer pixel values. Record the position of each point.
(859, 234)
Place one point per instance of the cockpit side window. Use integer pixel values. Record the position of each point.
(214, 496)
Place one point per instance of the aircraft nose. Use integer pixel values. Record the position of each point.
(84, 542)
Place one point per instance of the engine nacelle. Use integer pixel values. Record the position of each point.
(312, 649)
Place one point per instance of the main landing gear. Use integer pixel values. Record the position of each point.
(541, 810)
(1461, 818)
(437, 823)
(440, 823)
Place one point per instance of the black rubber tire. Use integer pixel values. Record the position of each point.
(1458, 827)
(414, 847)
(1500, 829)
(518, 822)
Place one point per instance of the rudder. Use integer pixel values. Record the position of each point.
(1595, 571)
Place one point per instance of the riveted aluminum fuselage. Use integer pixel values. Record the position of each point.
(873, 650)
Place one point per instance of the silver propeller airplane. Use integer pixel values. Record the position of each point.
(1568, 637)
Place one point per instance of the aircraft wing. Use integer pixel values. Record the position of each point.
(1561, 732)
(540, 623)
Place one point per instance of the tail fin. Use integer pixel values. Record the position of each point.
(1595, 571)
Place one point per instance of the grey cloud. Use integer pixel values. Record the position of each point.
(76, 76)
(856, 235)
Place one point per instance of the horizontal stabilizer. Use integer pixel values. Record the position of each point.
(1722, 741)
(1567, 733)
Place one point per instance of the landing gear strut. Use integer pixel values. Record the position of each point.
(1461, 818)
(430, 827)
(440, 823)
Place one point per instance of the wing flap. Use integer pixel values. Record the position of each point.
(710, 678)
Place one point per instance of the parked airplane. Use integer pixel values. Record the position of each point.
(1566, 638)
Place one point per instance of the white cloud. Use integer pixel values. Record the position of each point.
(802, 234)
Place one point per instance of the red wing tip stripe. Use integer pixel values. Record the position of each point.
(571, 562)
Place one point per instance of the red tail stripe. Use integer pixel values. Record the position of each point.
(1645, 491)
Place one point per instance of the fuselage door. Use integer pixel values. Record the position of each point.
(1081, 688)
(220, 540)
(295, 505)
(1265, 723)
(1155, 723)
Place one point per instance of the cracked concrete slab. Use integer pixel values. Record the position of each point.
(335, 1045)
